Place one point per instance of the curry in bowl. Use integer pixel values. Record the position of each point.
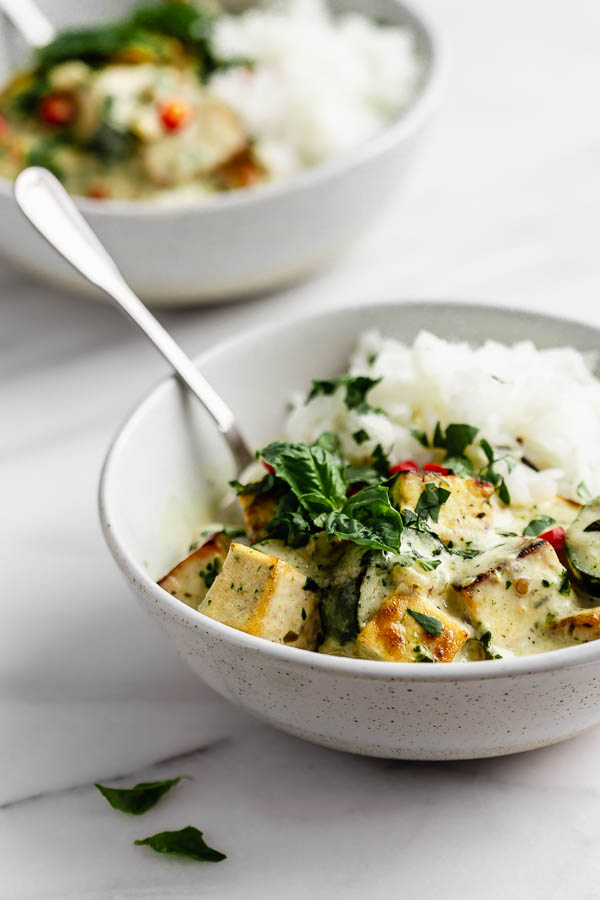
(483, 544)
(180, 101)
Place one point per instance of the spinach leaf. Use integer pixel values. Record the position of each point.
(138, 799)
(430, 501)
(368, 519)
(429, 624)
(537, 526)
(356, 389)
(339, 598)
(186, 842)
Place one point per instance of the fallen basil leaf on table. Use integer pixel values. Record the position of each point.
(138, 799)
(186, 842)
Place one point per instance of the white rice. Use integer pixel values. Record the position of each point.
(541, 404)
(320, 86)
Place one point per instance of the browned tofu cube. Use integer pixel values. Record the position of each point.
(582, 625)
(512, 591)
(265, 596)
(465, 517)
(258, 511)
(395, 635)
(190, 579)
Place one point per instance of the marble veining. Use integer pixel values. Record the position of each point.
(503, 207)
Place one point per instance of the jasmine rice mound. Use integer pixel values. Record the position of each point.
(539, 408)
(320, 84)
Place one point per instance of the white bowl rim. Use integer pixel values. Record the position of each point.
(416, 115)
(552, 660)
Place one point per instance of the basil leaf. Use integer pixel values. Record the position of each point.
(486, 639)
(381, 462)
(233, 531)
(289, 523)
(537, 526)
(138, 799)
(456, 439)
(420, 436)
(430, 501)
(314, 475)
(368, 519)
(362, 475)
(356, 389)
(593, 526)
(584, 492)
(564, 586)
(259, 488)
(487, 449)
(429, 624)
(360, 436)
(186, 842)
(488, 473)
(328, 441)
(459, 465)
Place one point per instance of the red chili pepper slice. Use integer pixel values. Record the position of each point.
(175, 114)
(268, 467)
(433, 467)
(406, 465)
(555, 537)
(58, 108)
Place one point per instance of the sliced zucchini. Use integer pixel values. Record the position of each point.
(582, 543)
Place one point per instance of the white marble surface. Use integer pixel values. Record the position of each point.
(504, 206)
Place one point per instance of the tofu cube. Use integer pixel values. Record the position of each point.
(465, 517)
(265, 596)
(190, 580)
(582, 625)
(258, 511)
(510, 590)
(394, 635)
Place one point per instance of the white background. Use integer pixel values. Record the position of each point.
(503, 206)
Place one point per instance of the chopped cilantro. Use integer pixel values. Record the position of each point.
(420, 436)
(564, 586)
(360, 436)
(486, 639)
(311, 585)
(356, 388)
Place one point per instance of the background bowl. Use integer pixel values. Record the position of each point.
(157, 487)
(247, 241)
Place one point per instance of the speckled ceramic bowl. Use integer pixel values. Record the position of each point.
(157, 487)
(246, 241)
